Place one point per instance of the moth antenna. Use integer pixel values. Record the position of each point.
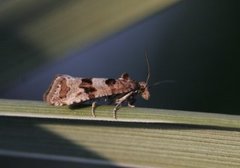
(148, 67)
(162, 82)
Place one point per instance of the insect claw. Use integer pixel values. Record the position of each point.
(115, 113)
(131, 105)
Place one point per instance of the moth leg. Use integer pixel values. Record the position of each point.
(93, 108)
(119, 102)
(115, 110)
(131, 100)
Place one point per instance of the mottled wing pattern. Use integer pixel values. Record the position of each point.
(67, 90)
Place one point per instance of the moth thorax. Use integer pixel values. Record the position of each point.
(144, 90)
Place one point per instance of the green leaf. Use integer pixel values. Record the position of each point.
(139, 137)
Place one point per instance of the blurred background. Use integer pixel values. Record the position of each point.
(193, 43)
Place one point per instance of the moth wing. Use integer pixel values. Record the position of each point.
(68, 90)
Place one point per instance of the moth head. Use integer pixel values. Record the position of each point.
(143, 90)
(143, 86)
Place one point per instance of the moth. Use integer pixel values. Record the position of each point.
(68, 90)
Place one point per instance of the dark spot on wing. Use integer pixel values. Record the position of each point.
(110, 82)
(64, 88)
(89, 89)
(87, 81)
(91, 96)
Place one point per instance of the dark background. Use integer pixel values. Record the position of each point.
(194, 43)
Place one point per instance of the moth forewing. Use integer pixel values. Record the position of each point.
(68, 90)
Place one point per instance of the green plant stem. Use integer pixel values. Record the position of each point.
(140, 136)
(41, 109)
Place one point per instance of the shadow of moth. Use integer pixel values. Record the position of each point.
(68, 90)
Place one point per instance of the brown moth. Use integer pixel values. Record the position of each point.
(68, 90)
